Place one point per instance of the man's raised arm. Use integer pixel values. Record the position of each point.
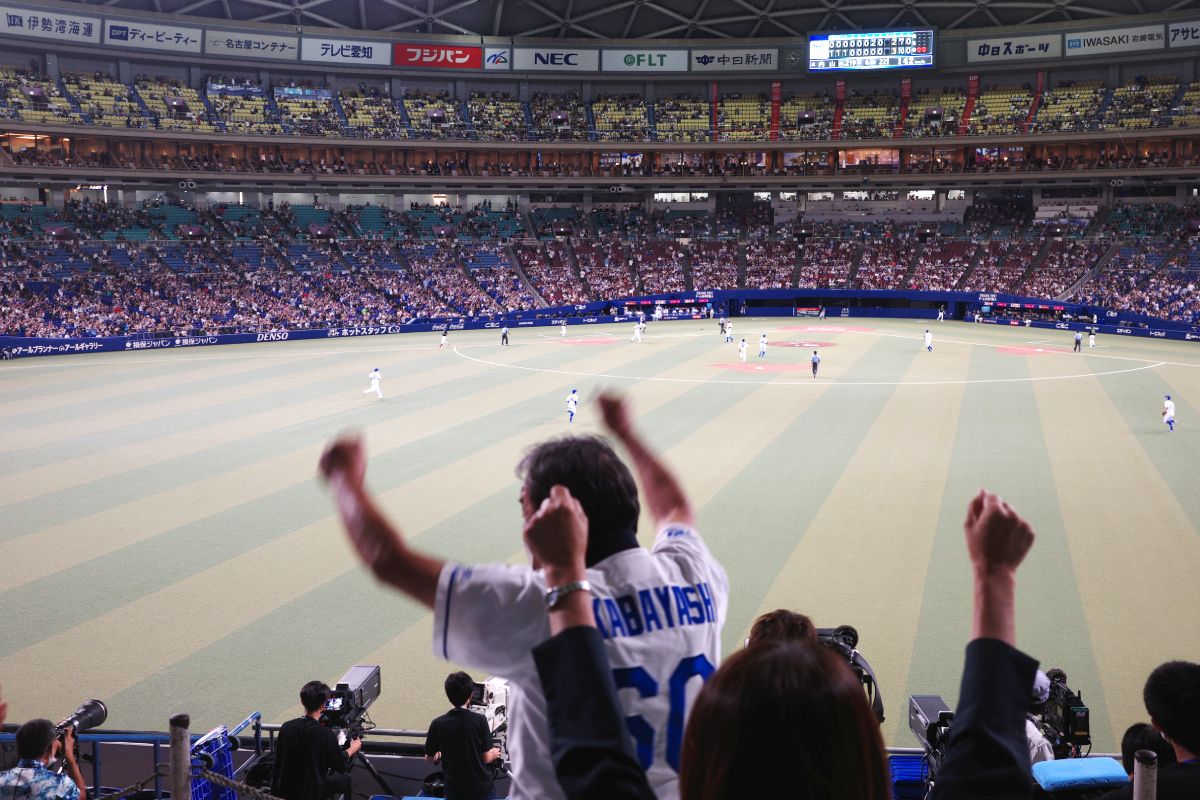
(662, 491)
(378, 543)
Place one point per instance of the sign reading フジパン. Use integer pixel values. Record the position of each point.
(735, 60)
(242, 44)
(49, 24)
(1183, 34)
(645, 60)
(1115, 40)
(437, 56)
(346, 51)
(555, 59)
(152, 36)
(497, 58)
(1014, 48)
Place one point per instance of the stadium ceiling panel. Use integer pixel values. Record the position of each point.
(638, 19)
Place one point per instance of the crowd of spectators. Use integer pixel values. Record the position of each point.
(941, 264)
(548, 266)
(770, 263)
(659, 264)
(605, 267)
(887, 258)
(714, 265)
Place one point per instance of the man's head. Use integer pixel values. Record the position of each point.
(1141, 736)
(1172, 697)
(782, 625)
(459, 686)
(35, 739)
(597, 478)
(313, 696)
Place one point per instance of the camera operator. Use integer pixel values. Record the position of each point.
(1040, 748)
(38, 744)
(461, 740)
(309, 762)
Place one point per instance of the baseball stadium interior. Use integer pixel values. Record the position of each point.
(185, 183)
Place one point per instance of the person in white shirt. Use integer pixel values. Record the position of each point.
(816, 362)
(445, 341)
(941, 314)
(762, 346)
(1092, 339)
(742, 350)
(928, 340)
(1168, 412)
(637, 332)
(572, 405)
(659, 611)
(1040, 748)
(375, 376)
(729, 331)
(504, 335)
(563, 332)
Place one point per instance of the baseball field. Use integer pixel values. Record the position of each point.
(166, 546)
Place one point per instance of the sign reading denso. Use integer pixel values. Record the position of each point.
(553, 59)
(437, 56)
(645, 60)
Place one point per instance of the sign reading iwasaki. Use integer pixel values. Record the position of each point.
(244, 44)
(437, 56)
(1115, 40)
(645, 60)
(345, 51)
(735, 60)
(49, 24)
(151, 36)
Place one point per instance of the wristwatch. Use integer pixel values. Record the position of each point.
(555, 594)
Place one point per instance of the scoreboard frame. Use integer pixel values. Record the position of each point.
(824, 35)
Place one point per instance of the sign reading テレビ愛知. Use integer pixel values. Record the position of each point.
(346, 51)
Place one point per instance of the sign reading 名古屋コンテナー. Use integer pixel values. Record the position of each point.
(1115, 40)
(644, 60)
(1017, 47)
(1183, 34)
(555, 59)
(152, 36)
(49, 24)
(247, 44)
(741, 59)
(345, 51)
(437, 56)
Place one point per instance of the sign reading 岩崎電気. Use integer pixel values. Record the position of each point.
(1115, 40)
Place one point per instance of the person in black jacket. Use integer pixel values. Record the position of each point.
(462, 742)
(310, 764)
(986, 757)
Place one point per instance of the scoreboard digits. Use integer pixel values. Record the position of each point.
(871, 50)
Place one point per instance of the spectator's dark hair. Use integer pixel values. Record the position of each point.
(1172, 697)
(782, 625)
(313, 695)
(783, 708)
(1142, 736)
(34, 738)
(459, 686)
(597, 478)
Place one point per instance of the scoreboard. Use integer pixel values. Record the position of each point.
(871, 50)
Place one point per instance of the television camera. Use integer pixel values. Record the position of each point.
(1065, 720)
(929, 718)
(844, 640)
(490, 699)
(346, 711)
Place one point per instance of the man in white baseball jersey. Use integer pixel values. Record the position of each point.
(637, 332)
(572, 405)
(1092, 338)
(816, 362)
(742, 350)
(1168, 412)
(762, 346)
(445, 340)
(660, 611)
(729, 331)
(928, 340)
(941, 313)
(375, 376)
(564, 328)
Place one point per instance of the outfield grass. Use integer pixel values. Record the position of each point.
(167, 548)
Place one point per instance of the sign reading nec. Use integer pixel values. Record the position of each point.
(557, 59)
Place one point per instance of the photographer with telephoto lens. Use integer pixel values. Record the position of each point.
(38, 745)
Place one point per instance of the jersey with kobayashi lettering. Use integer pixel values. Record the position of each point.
(660, 612)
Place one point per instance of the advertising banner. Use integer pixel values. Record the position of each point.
(243, 44)
(345, 51)
(437, 56)
(776, 100)
(905, 89)
(973, 85)
(49, 24)
(840, 88)
(1014, 48)
(645, 60)
(555, 59)
(1183, 34)
(742, 59)
(152, 36)
(1116, 40)
(497, 58)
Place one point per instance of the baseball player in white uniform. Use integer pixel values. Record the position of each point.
(660, 611)
(762, 346)
(637, 332)
(572, 405)
(742, 350)
(445, 341)
(564, 329)
(729, 331)
(1092, 339)
(928, 340)
(375, 376)
(1168, 412)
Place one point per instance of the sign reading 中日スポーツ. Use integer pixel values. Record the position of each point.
(645, 60)
(1014, 48)
(743, 59)
(49, 24)
(1183, 34)
(1115, 40)
(152, 36)
(497, 58)
(244, 44)
(555, 59)
(346, 51)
